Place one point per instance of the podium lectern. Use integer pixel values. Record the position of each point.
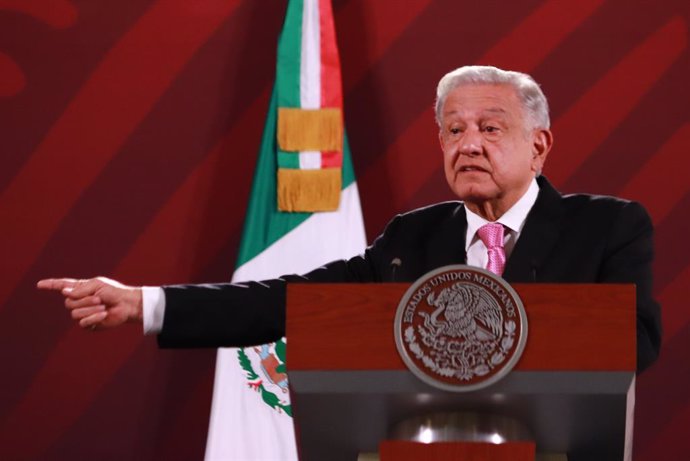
(573, 387)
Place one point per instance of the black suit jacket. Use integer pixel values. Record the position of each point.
(573, 238)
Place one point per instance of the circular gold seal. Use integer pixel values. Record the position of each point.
(460, 328)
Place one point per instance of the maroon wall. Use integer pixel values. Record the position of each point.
(129, 132)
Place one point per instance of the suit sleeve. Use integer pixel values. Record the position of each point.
(630, 253)
(245, 314)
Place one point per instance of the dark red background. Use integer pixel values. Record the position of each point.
(129, 132)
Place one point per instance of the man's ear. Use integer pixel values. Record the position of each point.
(541, 146)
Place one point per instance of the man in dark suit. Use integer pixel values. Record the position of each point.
(495, 137)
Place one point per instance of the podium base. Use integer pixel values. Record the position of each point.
(398, 450)
(538, 457)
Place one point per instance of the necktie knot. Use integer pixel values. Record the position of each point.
(492, 236)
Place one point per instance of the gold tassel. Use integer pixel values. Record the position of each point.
(318, 129)
(309, 190)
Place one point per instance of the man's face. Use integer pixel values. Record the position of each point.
(490, 151)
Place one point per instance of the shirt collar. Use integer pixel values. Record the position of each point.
(514, 219)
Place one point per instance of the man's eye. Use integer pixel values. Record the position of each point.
(454, 130)
(491, 129)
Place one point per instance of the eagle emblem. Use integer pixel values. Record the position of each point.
(460, 328)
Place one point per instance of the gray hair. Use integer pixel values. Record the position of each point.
(532, 98)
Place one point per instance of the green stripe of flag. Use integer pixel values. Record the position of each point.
(289, 57)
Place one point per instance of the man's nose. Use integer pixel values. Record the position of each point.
(471, 143)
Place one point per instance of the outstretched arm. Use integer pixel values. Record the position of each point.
(98, 303)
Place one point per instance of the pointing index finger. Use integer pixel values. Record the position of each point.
(56, 284)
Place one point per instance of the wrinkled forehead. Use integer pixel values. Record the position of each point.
(477, 100)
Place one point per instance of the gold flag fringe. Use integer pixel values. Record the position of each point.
(309, 190)
(317, 129)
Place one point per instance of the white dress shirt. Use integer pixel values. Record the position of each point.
(513, 220)
(153, 306)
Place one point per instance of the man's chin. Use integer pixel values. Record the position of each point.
(474, 194)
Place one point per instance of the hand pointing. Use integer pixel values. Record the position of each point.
(98, 303)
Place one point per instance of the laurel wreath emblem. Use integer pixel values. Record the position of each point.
(258, 379)
(482, 357)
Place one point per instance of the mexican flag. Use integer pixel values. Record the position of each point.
(303, 211)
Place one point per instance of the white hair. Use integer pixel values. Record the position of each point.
(528, 91)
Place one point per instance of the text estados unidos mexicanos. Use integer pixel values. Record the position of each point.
(472, 277)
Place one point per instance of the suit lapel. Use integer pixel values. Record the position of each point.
(449, 245)
(538, 237)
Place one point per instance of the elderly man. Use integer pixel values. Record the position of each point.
(494, 134)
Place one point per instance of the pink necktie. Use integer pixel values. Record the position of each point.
(492, 236)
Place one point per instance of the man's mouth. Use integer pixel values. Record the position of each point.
(470, 168)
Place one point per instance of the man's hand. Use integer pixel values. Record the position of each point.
(98, 303)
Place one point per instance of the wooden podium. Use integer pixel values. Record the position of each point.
(574, 386)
